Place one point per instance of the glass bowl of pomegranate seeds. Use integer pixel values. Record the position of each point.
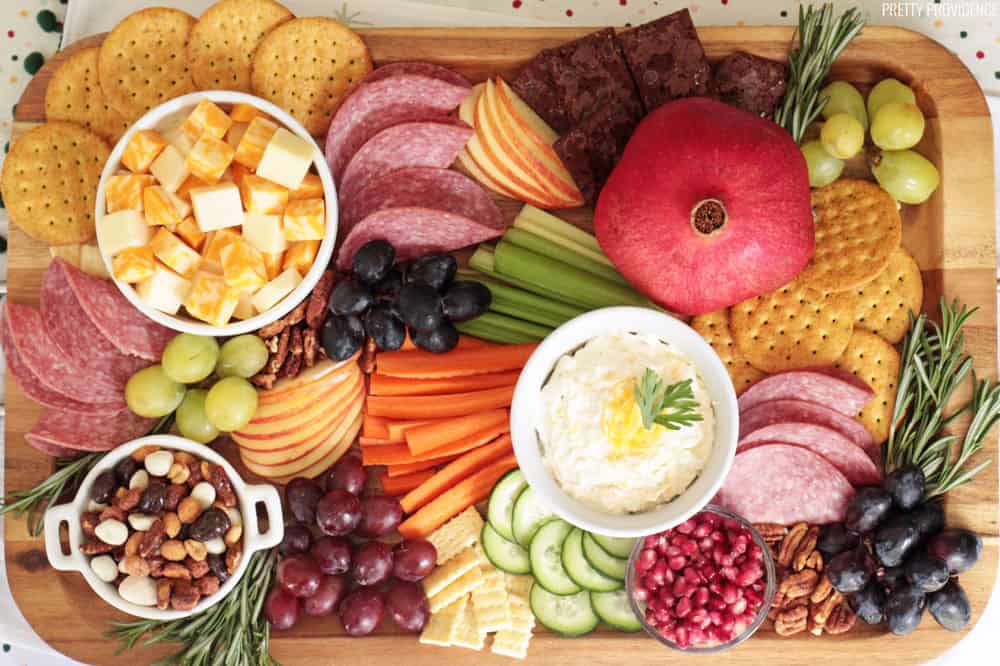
(704, 585)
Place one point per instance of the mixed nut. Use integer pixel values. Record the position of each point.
(164, 527)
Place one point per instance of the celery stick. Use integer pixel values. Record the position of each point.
(503, 306)
(485, 332)
(534, 218)
(505, 324)
(517, 296)
(577, 248)
(554, 250)
(483, 260)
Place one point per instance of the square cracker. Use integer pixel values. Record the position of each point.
(457, 534)
(460, 587)
(445, 574)
(441, 628)
(468, 633)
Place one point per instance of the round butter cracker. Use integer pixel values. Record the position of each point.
(857, 228)
(308, 66)
(714, 327)
(223, 41)
(74, 94)
(142, 61)
(876, 362)
(883, 305)
(49, 182)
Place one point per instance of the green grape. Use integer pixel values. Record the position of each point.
(842, 136)
(823, 167)
(190, 358)
(897, 126)
(192, 420)
(231, 403)
(242, 356)
(151, 393)
(888, 90)
(906, 174)
(842, 97)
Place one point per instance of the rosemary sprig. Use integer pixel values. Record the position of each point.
(64, 481)
(672, 406)
(822, 38)
(233, 632)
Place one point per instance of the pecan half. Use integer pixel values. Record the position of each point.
(163, 588)
(112, 512)
(223, 487)
(821, 611)
(185, 596)
(208, 585)
(279, 351)
(273, 329)
(95, 547)
(198, 568)
(264, 380)
(814, 561)
(790, 545)
(792, 621)
(129, 500)
(310, 347)
(823, 590)
(293, 361)
(298, 314)
(805, 549)
(176, 570)
(772, 533)
(798, 585)
(841, 620)
(89, 520)
(154, 538)
(316, 305)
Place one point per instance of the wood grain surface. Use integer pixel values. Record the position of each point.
(952, 237)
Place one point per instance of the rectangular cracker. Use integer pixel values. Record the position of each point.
(511, 643)
(465, 584)
(468, 633)
(441, 627)
(519, 585)
(457, 534)
(444, 575)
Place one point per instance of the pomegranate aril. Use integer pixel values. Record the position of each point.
(640, 594)
(665, 598)
(730, 593)
(672, 551)
(651, 542)
(680, 587)
(698, 616)
(701, 596)
(646, 560)
(717, 603)
(715, 617)
(729, 573)
(751, 572)
(683, 607)
(681, 637)
(758, 586)
(656, 573)
(669, 576)
(693, 576)
(650, 583)
(677, 562)
(702, 530)
(753, 598)
(756, 552)
(738, 607)
(705, 544)
(686, 527)
(696, 635)
(718, 536)
(728, 621)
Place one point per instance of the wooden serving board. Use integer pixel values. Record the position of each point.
(951, 236)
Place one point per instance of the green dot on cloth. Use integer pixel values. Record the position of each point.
(14, 57)
(6, 148)
(33, 62)
(6, 648)
(963, 34)
(46, 20)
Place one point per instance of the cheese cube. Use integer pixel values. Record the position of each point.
(68, 253)
(134, 264)
(121, 192)
(238, 173)
(92, 263)
(179, 138)
(311, 188)
(244, 113)
(275, 290)
(264, 232)
(122, 229)
(301, 255)
(169, 169)
(163, 207)
(142, 149)
(287, 159)
(207, 119)
(243, 266)
(244, 308)
(254, 142)
(262, 196)
(217, 206)
(305, 219)
(173, 252)
(190, 233)
(235, 134)
(164, 290)
(211, 300)
(209, 158)
(191, 182)
(211, 254)
(272, 262)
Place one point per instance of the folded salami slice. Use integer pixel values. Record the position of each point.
(420, 144)
(89, 433)
(50, 448)
(777, 483)
(830, 387)
(420, 68)
(800, 411)
(125, 326)
(852, 460)
(373, 107)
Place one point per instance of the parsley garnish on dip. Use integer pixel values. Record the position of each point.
(626, 423)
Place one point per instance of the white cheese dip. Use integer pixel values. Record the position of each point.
(591, 433)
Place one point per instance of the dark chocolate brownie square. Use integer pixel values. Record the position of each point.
(592, 149)
(534, 85)
(751, 83)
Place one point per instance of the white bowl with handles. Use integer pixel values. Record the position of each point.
(249, 496)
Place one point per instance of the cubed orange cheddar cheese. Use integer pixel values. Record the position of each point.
(190, 233)
(244, 308)
(311, 188)
(238, 173)
(140, 151)
(262, 196)
(236, 133)
(209, 158)
(124, 192)
(264, 232)
(272, 262)
(244, 113)
(243, 266)
(164, 290)
(163, 207)
(210, 300)
(175, 253)
(134, 264)
(211, 253)
(217, 206)
(305, 219)
(207, 119)
(179, 138)
(191, 182)
(286, 159)
(254, 141)
(169, 169)
(301, 255)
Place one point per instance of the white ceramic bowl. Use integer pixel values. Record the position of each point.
(249, 497)
(524, 415)
(176, 110)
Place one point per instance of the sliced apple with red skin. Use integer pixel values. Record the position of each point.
(323, 391)
(467, 113)
(320, 466)
(315, 412)
(305, 380)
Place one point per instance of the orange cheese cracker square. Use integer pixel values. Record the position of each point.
(210, 299)
(300, 255)
(175, 253)
(244, 113)
(134, 264)
(305, 219)
(207, 119)
(262, 196)
(211, 253)
(162, 207)
(123, 192)
(273, 263)
(209, 158)
(254, 141)
(190, 233)
(243, 266)
(142, 149)
(311, 188)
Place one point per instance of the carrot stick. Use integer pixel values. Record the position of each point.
(391, 454)
(378, 441)
(450, 475)
(439, 406)
(455, 500)
(458, 362)
(464, 342)
(473, 441)
(397, 429)
(409, 468)
(399, 485)
(434, 435)
(374, 426)
(386, 385)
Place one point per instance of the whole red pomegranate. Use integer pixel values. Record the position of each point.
(708, 206)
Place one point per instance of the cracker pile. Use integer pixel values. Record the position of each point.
(469, 598)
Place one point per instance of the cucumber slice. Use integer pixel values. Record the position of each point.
(580, 570)
(617, 546)
(570, 615)
(529, 515)
(505, 555)
(546, 558)
(613, 608)
(602, 560)
(500, 512)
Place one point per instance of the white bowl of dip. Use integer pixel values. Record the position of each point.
(585, 479)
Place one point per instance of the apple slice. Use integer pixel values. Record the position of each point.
(467, 113)
(309, 376)
(336, 383)
(327, 461)
(313, 411)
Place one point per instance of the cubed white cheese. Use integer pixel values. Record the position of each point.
(275, 290)
(121, 229)
(264, 232)
(217, 206)
(169, 168)
(180, 139)
(286, 159)
(244, 307)
(92, 263)
(164, 290)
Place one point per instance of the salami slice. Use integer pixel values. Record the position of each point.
(90, 433)
(373, 107)
(76, 336)
(800, 411)
(830, 387)
(125, 326)
(424, 187)
(426, 144)
(777, 483)
(419, 68)
(50, 448)
(852, 460)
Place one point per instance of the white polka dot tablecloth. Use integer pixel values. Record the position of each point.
(30, 32)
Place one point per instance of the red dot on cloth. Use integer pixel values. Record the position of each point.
(516, 4)
(622, 2)
(725, 2)
(10, 33)
(569, 12)
(980, 55)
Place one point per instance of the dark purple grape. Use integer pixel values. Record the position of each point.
(389, 286)
(407, 606)
(302, 495)
(928, 518)
(379, 515)
(338, 513)
(384, 327)
(892, 577)
(348, 474)
(373, 261)
(869, 603)
(850, 571)
(904, 609)
(329, 593)
(296, 540)
(420, 305)
(299, 575)
(867, 510)
(342, 336)
(350, 297)
(466, 300)
(104, 487)
(437, 270)
(926, 572)
(958, 548)
(413, 559)
(332, 554)
(440, 340)
(835, 539)
(906, 486)
(950, 606)
(894, 541)
(372, 563)
(281, 609)
(361, 611)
